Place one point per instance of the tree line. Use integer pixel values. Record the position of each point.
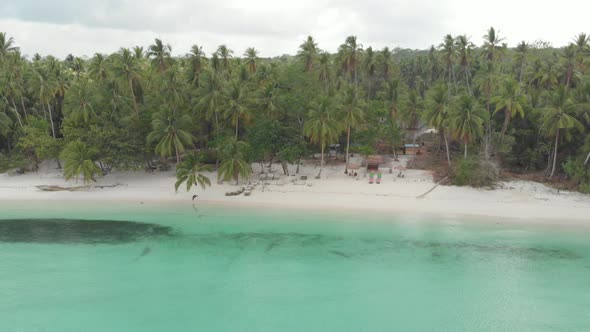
(526, 108)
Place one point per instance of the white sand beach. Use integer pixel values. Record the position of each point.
(521, 200)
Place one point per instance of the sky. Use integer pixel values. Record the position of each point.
(276, 27)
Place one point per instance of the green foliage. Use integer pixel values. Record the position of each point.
(579, 173)
(475, 172)
(36, 142)
(190, 171)
(79, 160)
(234, 162)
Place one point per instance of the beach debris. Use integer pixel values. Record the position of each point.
(75, 188)
(195, 196)
(235, 193)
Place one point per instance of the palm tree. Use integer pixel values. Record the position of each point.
(169, 131)
(349, 55)
(161, 55)
(386, 59)
(325, 69)
(79, 103)
(98, 69)
(211, 98)
(391, 96)
(251, 55)
(449, 54)
(44, 84)
(437, 113)
(79, 159)
(236, 107)
(196, 57)
(322, 126)
(6, 46)
(225, 54)
(308, 52)
(491, 41)
(511, 101)
(190, 171)
(233, 160)
(520, 57)
(353, 116)
(127, 66)
(467, 120)
(411, 112)
(370, 67)
(569, 63)
(558, 119)
(465, 50)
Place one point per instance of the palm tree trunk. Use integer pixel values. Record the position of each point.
(133, 97)
(24, 108)
(51, 120)
(465, 157)
(321, 163)
(587, 159)
(447, 148)
(237, 124)
(521, 71)
(506, 123)
(177, 155)
(17, 115)
(44, 110)
(467, 79)
(347, 148)
(555, 154)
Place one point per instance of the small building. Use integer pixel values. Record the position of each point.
(412, 149)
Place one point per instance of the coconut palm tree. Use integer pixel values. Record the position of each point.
(5, 124)
(511, 101)
(308, 52)
(449, 55)
(568, 58)
(322, 126)
(370, 67)
(386, 57)
(79, 159)
(79, 104)
(492, 42)
(353, 116)
(411, 111)
(234, 163)
(168, 130)
(349, 55)
(127, 66)
(6, 46)
(558, 119)
(211, 98)
(521, 56)
(160, 53)
(251, 55)
(437, 113)
(467, 120)
(98, 68)
(325, 69)
(465, 49)
(237, 105)
(197, 63)
(190, 171)
(225, 54)
(44, 85)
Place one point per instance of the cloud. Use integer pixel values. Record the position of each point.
(276, 27)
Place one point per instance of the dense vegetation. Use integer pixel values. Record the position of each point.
(525, 108)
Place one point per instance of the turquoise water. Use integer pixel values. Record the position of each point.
(230, 269)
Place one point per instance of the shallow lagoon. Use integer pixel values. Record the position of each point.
(179, 268)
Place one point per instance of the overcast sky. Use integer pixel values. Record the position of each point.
(276, 27)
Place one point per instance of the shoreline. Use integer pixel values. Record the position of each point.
(516, 202)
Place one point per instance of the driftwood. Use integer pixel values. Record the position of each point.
(431, 189)
(59, 188)
(235, 193)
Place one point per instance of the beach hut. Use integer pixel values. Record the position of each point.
(412, 149)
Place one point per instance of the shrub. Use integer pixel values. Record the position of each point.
(475, 172)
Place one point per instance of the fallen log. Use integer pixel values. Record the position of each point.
(431, 189)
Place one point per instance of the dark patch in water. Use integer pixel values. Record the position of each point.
(78, 231)
(272, 245)
(339, 253)
(146, 251)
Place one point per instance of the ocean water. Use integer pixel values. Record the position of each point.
(141, 267)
